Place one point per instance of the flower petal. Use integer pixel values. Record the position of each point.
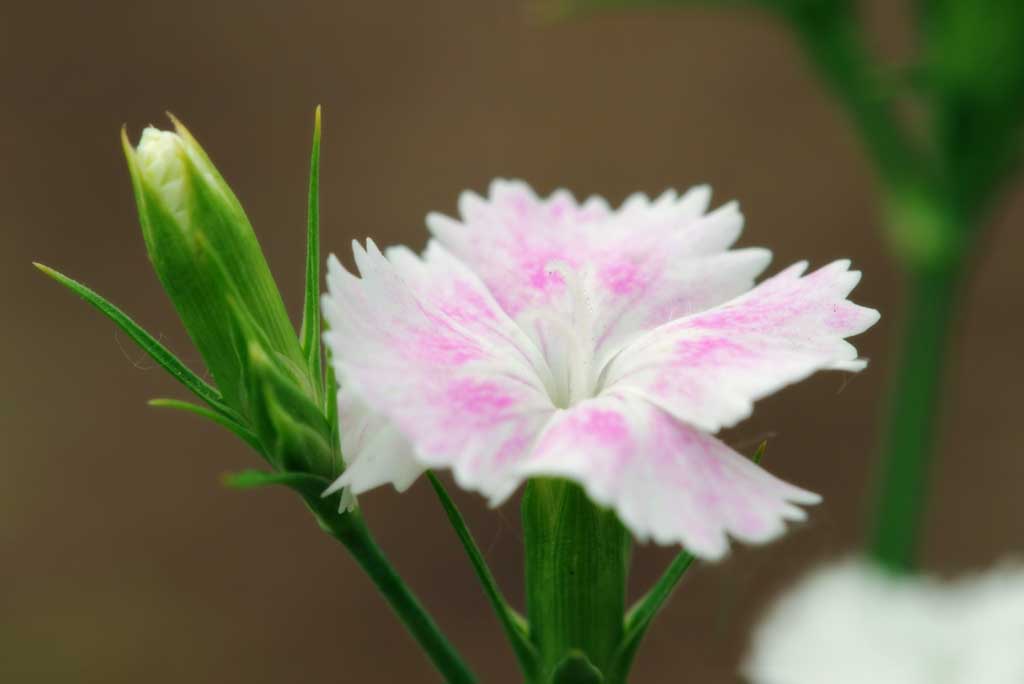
(642, 265)
(375, 452)
(666, 480)
(422, 342)
(709, 368)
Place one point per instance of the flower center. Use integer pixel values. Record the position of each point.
(567, 334)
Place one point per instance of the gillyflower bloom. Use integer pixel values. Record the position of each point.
(852, 622)
(544, 337)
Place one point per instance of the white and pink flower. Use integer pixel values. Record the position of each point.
(543, 337)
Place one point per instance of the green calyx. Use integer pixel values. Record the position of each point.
(292, 428)
(207, 257)
(577, 563)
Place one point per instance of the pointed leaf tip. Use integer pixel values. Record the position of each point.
(149, 344)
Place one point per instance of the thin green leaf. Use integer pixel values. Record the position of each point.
(304, 483)
(310, 331)
(640, 616)
(159, 353)
(511, 622)
(240, 430)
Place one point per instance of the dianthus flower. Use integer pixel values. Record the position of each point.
(550, 338)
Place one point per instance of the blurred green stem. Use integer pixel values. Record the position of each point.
(832, 39)
(913, 412)
(925, 235)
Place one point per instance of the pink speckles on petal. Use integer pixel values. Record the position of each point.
(666, 481)
(605, 426)
(479, 397)
(425, 346)
(440, 347)
(651, 260)
(709, 368)
(621, 277)
(545, 272)
(707, 351)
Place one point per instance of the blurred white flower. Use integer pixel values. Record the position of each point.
(854, 623)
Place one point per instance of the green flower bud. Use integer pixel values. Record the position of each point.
(207, 257)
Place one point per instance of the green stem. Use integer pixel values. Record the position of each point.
(914, 406)
(514, 625)
(640, 616)
(351, 531)
(577, 562)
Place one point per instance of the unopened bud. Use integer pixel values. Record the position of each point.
(208, 259)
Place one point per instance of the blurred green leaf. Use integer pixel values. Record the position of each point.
(974, 55)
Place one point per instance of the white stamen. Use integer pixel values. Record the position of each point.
(570, 352)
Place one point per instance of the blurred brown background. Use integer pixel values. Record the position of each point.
(122, 558)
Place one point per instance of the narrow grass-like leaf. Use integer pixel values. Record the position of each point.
(304, 483)
(240, 430)
(309, 335)
(511, 622)
(640, 616)
(156, 351)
